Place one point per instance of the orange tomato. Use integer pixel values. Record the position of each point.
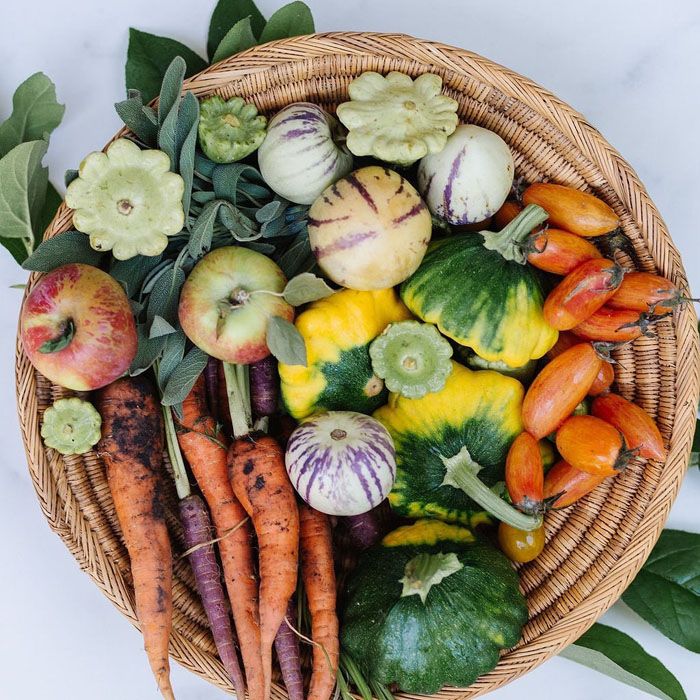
(644, 291)
(520, 546)
(559, 252)
(592, 445)
(561, 385)
(565, 484)
(508, 211)
(604, 380)
(525, 474)
(581, 293)
(614, 325)
(573, 210)
(637, 426)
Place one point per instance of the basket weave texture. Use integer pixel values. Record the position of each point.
(593, 549)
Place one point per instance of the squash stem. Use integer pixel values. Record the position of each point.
(462, 473)
(425, 570)
(509, 241)
(238, 392)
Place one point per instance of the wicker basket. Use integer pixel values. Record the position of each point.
(595, 548)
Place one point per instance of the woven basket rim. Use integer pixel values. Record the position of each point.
(282, 55)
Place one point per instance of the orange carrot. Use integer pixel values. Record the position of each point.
(319, 583)
(132, 449)
(205, 450)
(260, 482)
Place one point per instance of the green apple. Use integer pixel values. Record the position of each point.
(227, 300)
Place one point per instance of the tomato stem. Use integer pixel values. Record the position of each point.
(462, 473)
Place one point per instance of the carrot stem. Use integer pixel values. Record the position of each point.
(182, 483)
(238, 392)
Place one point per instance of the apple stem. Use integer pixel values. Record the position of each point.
(182, 483)
(238, 392)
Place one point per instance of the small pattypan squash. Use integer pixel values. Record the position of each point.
(71, 426)
(397, 119)
(127, 200)
(451, 447)
(230, 130)
(412, 358)
(337, 332)
(431, 605)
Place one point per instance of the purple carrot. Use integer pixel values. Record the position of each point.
(364, 530)
(197, 528)
(263, 387)
(211, 377)
(287, 648)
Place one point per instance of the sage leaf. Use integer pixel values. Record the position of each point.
(147, 352)
(203, 230)
(132, 273)
(260, 247)
(173, 352)
(159, 327)
(171, 88)
(239, 38)
(226, 14)
(22, 196)
(184, 376)
(285, 342)
(240, 226)
(186, 134)
(609, 651)
(269, 211)
(298, 257)
(165, 296)
(666, 592)
(140, 119)
(202, 197)
(148, 58)
(68, 247)
(228, 179)
(35, 113)
(203, 166)
(293, 19)
(52, 202)
(305, 288)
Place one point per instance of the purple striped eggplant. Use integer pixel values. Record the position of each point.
(341, 463)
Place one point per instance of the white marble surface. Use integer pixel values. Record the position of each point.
(630, 66)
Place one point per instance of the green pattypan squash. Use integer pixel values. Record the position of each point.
(71, 426)
(127, 200)
(431, 605)
(230, 130)
(397, 119)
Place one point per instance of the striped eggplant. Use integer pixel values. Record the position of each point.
(303, 152)
(369, 230)
(341, 463)
(469, 179)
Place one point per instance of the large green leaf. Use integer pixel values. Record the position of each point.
(22, 196)
(609, 651)
(666, 592)
(294, 19)
(239, 38)
(149, 56)
(35, 113)
(225, 15)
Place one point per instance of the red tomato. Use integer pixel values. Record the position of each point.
(561, 385)
(520, 546)
(582, 292)
(592, 445)
(525, 474)
(508, 211)
(566, 484)
(560, 252)
(637, 426)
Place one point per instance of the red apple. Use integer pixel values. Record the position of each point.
(225, 304)
(77, 327)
